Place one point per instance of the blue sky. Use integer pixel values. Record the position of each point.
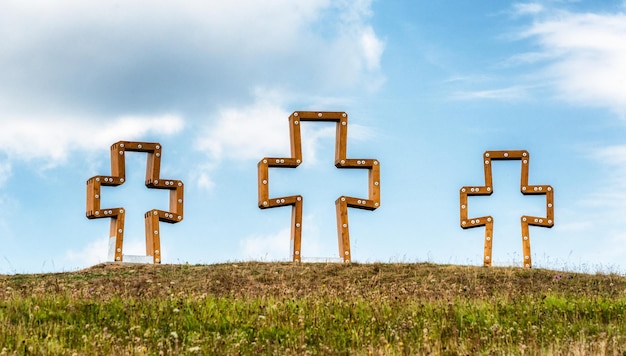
(428, 86)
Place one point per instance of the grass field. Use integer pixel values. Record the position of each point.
(318, 309)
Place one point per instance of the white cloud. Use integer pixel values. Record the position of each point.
(261, 130)
(276, 247)
(585, 55)
(513, 93)
(247, 132)
(91, 254)
(273, 247)
(372, 48)
(527, 8)
(129, 55)
(5, 172)
(97, 251)
(51, 139)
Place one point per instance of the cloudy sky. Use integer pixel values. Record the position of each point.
(428, 86)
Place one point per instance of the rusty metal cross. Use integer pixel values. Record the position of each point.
(342, 203)
(525, 188)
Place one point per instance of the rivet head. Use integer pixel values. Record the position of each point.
(139, 145)
(527, 257)
(344, 114)
(296, 122)
(119, 250)
(345, 225)
(486, 154)
(158, 147)
(346, 253)
(156, 232)
(297, 224)
(97, 196)
(319, 114)
(265, 203)
(118, 258)
(295, 114)
(155, 213)
(297, 252)
(488, 238)
(121, 211)
(157, 260)
(156, 252)
(487, 258)
(264, 181)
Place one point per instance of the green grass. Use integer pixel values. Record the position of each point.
(281, 308)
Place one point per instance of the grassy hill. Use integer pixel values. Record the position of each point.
(282, 308)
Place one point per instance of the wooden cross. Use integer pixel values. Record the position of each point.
(525, 188)
(342, 203)
(152, 217)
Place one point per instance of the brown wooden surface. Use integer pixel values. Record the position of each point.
(372, 202)
(525, 188)
(152, 181)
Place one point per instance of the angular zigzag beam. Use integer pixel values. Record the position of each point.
(342, 203)
(525, 188)
(153, 181)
